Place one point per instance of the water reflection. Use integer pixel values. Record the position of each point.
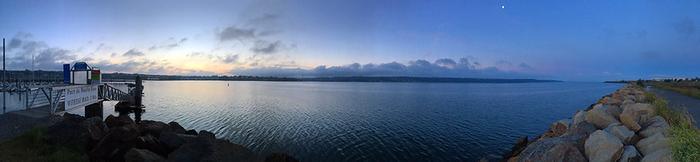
(318, 121)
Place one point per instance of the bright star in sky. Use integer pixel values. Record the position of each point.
(503, 6)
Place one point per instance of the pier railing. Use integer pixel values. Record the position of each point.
(53, 98)
(108, 92)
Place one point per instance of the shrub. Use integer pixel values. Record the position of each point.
(685, 138)
(32, 146)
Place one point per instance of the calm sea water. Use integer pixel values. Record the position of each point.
(326, 121)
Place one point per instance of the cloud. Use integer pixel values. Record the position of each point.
(264, 19)
(99, 47)
(23, 52)
(504, 62)
(146, 66)
(133, 52)
(229, 58)
(22, 39)
(236, 33)
(169, 44)
(256, 32)
(447, 63)
(195, 54)
(52, 58)
(524, 66)
(445, 67)
(129, 66)
(685, 27)
(265, 47)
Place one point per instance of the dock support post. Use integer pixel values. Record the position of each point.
(26, 99)
(138, 95)
(95, 109)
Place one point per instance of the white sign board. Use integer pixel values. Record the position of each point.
(80, 96)
(80, 77)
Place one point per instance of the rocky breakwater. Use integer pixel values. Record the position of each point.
(619, 127)
(122, 139)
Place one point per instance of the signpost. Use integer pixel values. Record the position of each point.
(78, 96)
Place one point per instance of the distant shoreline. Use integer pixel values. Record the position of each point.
(368, 79)
(57, 76)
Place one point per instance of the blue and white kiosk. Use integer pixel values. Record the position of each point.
(81, 74)
(82, 84)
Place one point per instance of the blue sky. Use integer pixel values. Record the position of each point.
(568, 40)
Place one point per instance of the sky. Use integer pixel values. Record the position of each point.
(591, 40)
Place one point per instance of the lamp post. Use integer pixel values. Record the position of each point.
(3, 76)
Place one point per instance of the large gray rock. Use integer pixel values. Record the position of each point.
(621, 132)
(69, 132)
(650, 144)
(627, 102)
(630, 154)
(579, 133)
(192, 132)
(172, 140)
(280, 157)
(629, 97)
(603, 146)
(634, 114)
(613, 110)
(663, 155)
(551, 149)
(599, 117)
(142, 155)
(518, 147)
(176, 127)
(73, 118)
(655, 125)
(121, 120)
(643, 110)
(196, 150)
(114, 145)
(206, 134)
(567, 147)
(640, 96)
(630, 121)
(611, 100)
(558, 128)
(579, 117)
(154, 127)
(152, 144)
(565, 123)
(226, 151)
(204, 148)
(96, 129)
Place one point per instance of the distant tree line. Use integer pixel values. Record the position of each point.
(57, 76)
(696, 79)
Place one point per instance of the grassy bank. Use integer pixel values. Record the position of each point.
(32, 146)
(685, 138)
(691, 89)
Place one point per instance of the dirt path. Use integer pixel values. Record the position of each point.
(680, 101)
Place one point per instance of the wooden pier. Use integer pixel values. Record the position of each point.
(39, 102)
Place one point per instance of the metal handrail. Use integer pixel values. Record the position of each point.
(108, 92)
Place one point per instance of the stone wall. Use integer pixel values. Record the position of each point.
(619, 127)
(119, 138)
